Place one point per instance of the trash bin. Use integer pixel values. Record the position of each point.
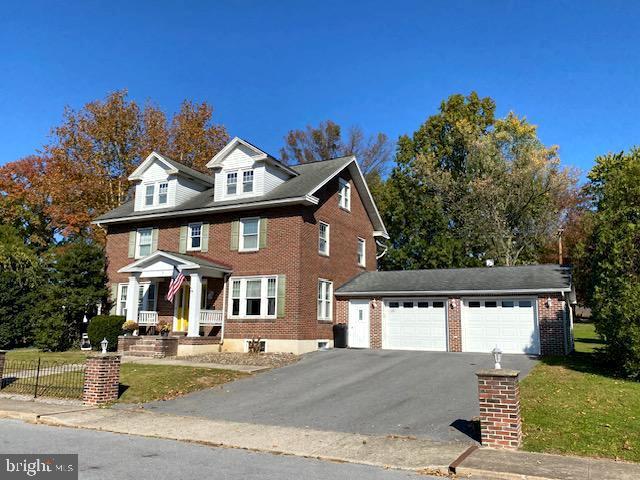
(340, 335)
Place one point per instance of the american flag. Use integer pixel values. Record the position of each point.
(176, 283)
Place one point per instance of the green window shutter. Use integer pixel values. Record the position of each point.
(154, 240)
(114, 298)
(235, 232)
(132, 243)
(282, 288)
(182, 248)
(204, 240)
(263, 232)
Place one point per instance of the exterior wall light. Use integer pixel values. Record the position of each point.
(548, 302)
(497, 357)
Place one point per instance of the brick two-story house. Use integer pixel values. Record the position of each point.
(262, 246)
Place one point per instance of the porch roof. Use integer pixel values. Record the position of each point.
(162, 264)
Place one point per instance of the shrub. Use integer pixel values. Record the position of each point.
(105, 326)
(51, 332)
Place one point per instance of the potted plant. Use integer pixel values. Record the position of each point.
(165, 327)
(129, 327)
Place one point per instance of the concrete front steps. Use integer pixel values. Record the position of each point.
(156, 346)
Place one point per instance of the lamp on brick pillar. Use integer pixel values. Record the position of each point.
(499, 398)
(497, 357)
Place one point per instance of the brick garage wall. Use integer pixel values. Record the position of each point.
(552, 323)
(292, 250)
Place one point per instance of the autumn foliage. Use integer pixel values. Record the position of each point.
(82, 172)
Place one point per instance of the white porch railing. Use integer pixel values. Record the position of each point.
(210, 317)
(147, 318)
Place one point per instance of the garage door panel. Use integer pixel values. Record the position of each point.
(414, 324)
(507, 323)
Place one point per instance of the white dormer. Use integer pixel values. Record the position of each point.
(242, 170)
(163, 183)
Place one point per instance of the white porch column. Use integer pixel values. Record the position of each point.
(195, 295)
(133, 290)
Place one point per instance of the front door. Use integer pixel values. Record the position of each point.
(182, 305)
(359, 323)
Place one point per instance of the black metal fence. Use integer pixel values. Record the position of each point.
(42, 378)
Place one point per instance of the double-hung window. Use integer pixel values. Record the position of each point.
(344, 194)
(121, 309)
(323, 238)
(325, 292)
(163, 190)
(144, 242)
(249, 234)
(232, 183)
(362, 248)
(149, 194)
(247, 181)
(195, 237)
(253, 297)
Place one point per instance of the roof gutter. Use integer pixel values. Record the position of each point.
(308, 199)
(451, 292)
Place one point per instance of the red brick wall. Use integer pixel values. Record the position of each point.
(454, 326)
(551, 320)
(292, 250)
(499, 398)
(101, 379)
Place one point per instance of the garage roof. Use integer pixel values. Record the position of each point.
(467, 281)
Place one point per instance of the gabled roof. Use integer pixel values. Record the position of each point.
(172, 166)
(310, 177)
(462, 281)
(258, 155)
(181, 261)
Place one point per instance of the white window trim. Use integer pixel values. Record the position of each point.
(327, 240)
(264, 298)
(120, 309)
(139, 237)
(156, 194)
(189, 247)
(344, 195)
(241, 235)
(239, 182)
(328, 285)
(363, 261)
(167, 192)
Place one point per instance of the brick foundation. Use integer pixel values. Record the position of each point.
(499, 397)
(101, 379)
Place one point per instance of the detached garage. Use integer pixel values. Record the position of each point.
(523, 309)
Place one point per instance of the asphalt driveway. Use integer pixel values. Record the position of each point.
(424, 394)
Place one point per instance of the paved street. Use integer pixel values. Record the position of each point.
(426, 394)
(107, 455)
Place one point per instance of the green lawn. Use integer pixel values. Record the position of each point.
(144, 383)
(29, 354)
(573, 405)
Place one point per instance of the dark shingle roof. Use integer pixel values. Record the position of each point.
(187, 170)
(486, 279)
(309, 176)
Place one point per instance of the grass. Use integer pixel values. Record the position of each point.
(574, 405)
(145, 383)
(30, 354)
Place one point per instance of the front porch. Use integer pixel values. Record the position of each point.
(194, 316)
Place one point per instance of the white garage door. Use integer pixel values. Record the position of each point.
(507, 323)
(415, 324)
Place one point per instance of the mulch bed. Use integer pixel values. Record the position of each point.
(273, 360)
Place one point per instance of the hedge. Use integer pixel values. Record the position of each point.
(105, 326)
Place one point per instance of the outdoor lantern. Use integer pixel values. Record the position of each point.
(85, 319)
(105, 342)
(497, 356)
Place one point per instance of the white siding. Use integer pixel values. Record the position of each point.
(186, 189)
(273, 177)
(238, 160)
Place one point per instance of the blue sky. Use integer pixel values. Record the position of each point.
(267, 67)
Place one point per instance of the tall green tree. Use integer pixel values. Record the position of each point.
(614, 253)
(469, 187)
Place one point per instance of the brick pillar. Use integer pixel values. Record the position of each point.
(101, 379)
(2, 355)
(499, 396)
